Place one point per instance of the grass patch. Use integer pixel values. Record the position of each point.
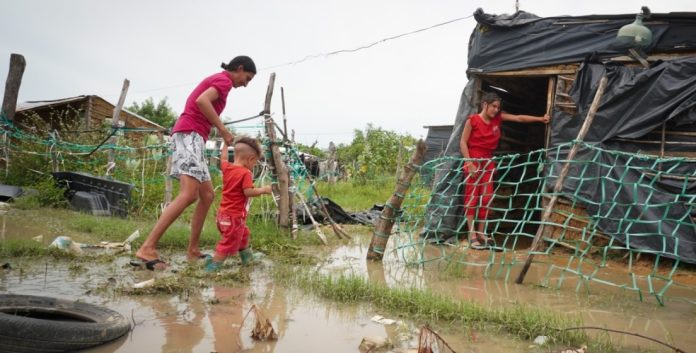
(522, 321)
(355, 197)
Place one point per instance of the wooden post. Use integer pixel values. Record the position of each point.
(398, 159)
(115, 125)
(550, 98)
(561, 177)
(285, 120)
(291, 181)
(386, 219)
(14, 80)
(277, 166)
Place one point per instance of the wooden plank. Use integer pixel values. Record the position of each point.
(561, 177)
(12, 84)
(543, 71)
(114, 123)
(280, 190)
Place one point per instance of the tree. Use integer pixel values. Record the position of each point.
(160, 113)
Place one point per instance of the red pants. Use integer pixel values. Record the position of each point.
(478, 191)
(234, 232)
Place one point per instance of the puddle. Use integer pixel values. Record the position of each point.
(211, 320)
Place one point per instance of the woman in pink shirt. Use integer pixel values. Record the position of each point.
(479, 139)
(189, 165)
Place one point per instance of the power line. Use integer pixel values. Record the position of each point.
(367, 46)
(320, 55)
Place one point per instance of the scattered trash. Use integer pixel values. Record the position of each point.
(263, 330)
(374, 343)
(38, 238)
(382, 320)
(66, 243)
(541, 340)
(4, 207)
(571, 350)
(144, 284)
(431, 342)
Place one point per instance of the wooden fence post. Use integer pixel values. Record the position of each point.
(14, 80)
(277, 166)
(389, 213)
(561, 177)
(115, 125)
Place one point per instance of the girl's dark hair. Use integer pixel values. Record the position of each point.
(246, 62)
(490, 97)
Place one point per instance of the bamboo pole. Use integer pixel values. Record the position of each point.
(386, 219)
(278, 168)
(317, 226)
(115, 124)
(12, 84)
(561, 177)
(291, 181)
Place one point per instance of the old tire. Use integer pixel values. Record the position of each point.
(42, 324)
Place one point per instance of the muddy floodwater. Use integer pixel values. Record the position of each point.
(210, 319)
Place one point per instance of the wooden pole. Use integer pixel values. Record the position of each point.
(561, 177)
(291, 181)
(317, 226)
(550, 98)
(12, 84)
(115, 124)
(386, 219)
(278, 168)
(285, 120)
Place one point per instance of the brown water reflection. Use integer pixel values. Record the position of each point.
(210, 321)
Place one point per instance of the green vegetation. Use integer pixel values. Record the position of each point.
(160, 113)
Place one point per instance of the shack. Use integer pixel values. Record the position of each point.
(553, 65)
(436, 141)
(81, 114)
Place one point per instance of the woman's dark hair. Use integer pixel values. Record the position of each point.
(490, 97)
(246, 62)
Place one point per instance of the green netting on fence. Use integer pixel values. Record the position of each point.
(613, 208)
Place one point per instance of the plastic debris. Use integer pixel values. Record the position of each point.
(578, 350)
(541, 340)
(38, 238)
(144, 284)
(382, 320)
(374, 343)
(67, 244)
(263, 330)
(6, 266)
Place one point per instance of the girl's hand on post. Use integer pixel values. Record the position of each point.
(545, 119)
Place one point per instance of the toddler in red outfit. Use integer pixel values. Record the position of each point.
(237, 188)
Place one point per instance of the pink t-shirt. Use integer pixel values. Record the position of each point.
(192, 119)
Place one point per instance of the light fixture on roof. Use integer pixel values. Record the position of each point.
(636, 35)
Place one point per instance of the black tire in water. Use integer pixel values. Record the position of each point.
(42, 324)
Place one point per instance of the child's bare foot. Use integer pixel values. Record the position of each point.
(195, 256)
(147, 253)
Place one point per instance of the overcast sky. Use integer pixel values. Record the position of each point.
(166, 47)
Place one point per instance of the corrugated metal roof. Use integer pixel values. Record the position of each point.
(47, 103)
(29, 105)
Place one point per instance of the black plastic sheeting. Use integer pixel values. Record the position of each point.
(337, 213)
(523, 40)
(636, 101)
